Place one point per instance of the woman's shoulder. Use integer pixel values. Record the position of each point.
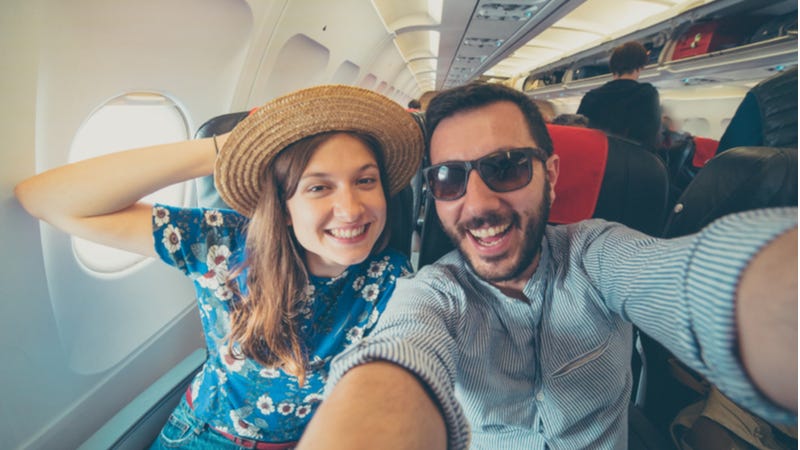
(388, 261)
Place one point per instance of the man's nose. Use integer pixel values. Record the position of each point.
(479, 197)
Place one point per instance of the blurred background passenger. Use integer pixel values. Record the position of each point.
(546, 108)
(574, 120)
(624, 106)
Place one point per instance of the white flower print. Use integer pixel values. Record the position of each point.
(373, 317)
(265, 404)
(302, 411)
(243, 428)
(269, 372)
(355, 334)
(358, 283)
(224, 293)
(376, 268)
(222, 376)
(313, 398)
(217, 257)
(310, 291)
(231, 363)
(286, 408)
(370, 292)
(172, 238)
(213, 218)
(160, 216)
(211, 280)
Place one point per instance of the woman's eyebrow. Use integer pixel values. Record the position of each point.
(327, 174)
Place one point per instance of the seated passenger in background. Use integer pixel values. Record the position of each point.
(625, 106)
(546, 108)
(425, 99)
(285, 282)
(572, 120)
(767, 115)
(522, 338)
(414, 104)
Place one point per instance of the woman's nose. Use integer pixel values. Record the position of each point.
(348, 205)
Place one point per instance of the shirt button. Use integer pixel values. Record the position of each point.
(540, 396)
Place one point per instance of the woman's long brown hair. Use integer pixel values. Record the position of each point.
(264, 321)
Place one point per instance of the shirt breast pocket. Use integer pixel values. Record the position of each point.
(590, 362)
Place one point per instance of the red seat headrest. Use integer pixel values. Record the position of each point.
(704, 149)
(583, 153)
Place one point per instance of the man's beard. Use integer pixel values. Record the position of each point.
(530, 246)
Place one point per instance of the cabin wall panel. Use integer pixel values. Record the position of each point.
(62, 60)
(350, 30)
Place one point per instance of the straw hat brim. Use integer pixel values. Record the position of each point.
(256, 140)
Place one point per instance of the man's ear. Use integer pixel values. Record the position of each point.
(552, 165)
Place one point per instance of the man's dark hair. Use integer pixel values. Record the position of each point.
(475, 95)
(413, 104)
(627, 58)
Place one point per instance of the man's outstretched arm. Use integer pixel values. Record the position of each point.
(766, 317)
(376, 405)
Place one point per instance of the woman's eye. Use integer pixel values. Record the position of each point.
(316, 188)
(367, 180)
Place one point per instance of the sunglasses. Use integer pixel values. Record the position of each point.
(502, 171)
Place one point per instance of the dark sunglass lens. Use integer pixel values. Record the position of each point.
(446, 181)
(506, 171)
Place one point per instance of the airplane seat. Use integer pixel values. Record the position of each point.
(684, 157)
(207, 195)
(600, 176)
(400, 215)
(736, 180)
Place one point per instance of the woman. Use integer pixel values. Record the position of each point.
(286, 281)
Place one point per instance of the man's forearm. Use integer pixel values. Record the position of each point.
(377, 405)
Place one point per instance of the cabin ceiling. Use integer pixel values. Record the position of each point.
(447, 43)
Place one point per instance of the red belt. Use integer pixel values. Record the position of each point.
(246, 443)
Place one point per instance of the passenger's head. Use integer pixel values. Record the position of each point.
(425, 99)
(628, 58)
(546, 108)
(572, 120)
(304, 127)
(414, 104)
(495, 214)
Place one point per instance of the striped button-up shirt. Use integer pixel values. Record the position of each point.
(555, 372)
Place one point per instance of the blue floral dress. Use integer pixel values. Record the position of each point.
(240, 396)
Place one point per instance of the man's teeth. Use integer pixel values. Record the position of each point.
(483, 233)
(348, 233)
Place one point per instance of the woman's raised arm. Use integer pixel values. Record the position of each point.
(98, 199)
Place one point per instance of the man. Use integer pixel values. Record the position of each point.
(625, 106)
(522, 337)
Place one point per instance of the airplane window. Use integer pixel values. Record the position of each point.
(127, 121)
(346, 73)
(369, 81)
(697, 126)
(300, 63)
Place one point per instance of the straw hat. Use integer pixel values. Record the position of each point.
(257, 139)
